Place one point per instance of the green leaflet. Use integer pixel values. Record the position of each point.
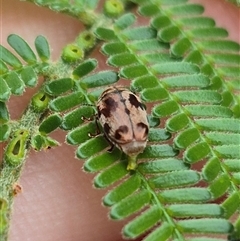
(51, 123)
(29, 76)
(85, 68)
(81, 134)
(221, 45)
(139, 33)
(158, 151)
(168, 33)
(177, 122)
(230, 151)
(92, 147)
(4, 114)
(225, 58)
(130, 72)
(232, 164)
(113, 48)
(143, 222)
(9, 58)
(219, 186)
(196, 210)
(175, 179)
(66, 102)
(145, 83)
(22, 48)
(111, 175)
(231, 204)
(39, 142)
(208, 32)
(176, 67)
(122, 59)
(125, 20)
(158, 134)
(154, 122)
(162, 165)
(60, 86)
(105, 34)
(154, 94)
(210, 225)
(101, 161)
(198, 21)
(42, 48)
(220, 124)
(160, 58)
(198, 96)
(196, 80)
(15, 84)
(148, 10)
(193, 9)
(130, 205)
(76, 117)
(160, 22)
(186, 138)
(3, 67)
(181, 47)
(148, 44)
(197, 152)
(160, 233)
(101, 78)
(166, 108)
(5, 131)
(182, 195)
(193, 56)
(122, 191)
(211, 169)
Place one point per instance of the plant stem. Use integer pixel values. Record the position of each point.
(14, 158)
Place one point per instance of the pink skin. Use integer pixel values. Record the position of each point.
(58, 201)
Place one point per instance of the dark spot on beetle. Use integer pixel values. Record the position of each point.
(110, 106)
(106, 128)
(142, 126)
(127, 111)
(106, 112)
(121, 130)
(111, 103)
(133, 100)
(117, 135)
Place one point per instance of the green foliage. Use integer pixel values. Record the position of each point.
(187, 74)
(16, 76)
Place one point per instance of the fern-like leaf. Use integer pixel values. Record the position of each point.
(163, 186)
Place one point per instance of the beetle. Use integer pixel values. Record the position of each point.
(123, 118)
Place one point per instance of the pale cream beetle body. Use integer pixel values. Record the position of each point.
(124, 121)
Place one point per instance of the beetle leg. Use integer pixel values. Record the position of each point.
(98, 129)
(84, 118)
(111, 148)
(110, 143)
